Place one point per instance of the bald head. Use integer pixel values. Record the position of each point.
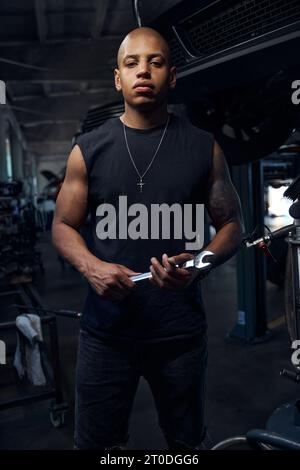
(143, 34)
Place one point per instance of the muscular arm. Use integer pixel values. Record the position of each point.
(224, 208)
(70, 213)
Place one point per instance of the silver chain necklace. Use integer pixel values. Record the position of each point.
(141, 184)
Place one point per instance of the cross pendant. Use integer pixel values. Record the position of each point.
(141, 184)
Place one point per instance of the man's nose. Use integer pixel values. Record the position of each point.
(143, 69)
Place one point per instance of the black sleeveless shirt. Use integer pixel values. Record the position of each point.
(178, 175)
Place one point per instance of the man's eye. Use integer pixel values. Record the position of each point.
(155, 63)
(129, 64)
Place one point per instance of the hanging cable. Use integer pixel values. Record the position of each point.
(137, 12)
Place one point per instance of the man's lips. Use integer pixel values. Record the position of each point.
(143, 87)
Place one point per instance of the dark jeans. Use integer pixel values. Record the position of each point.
(107, 378)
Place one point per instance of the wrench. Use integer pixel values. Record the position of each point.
(192, 263)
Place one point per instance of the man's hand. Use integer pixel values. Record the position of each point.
(110, 280)
(167, 276)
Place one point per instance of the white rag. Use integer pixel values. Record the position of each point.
(29, 325)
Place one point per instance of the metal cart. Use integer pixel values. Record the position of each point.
(17, 300)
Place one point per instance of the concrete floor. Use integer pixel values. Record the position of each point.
(244, 385)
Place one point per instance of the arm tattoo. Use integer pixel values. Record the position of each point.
(223, 203)
(222, 200)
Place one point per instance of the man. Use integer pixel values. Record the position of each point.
(147, 158)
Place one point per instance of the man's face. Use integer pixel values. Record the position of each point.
(144, 75)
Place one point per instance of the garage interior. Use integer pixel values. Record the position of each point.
(238, 73)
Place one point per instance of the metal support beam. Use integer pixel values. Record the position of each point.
(3, 134)
(17, 156)
(251, 325)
